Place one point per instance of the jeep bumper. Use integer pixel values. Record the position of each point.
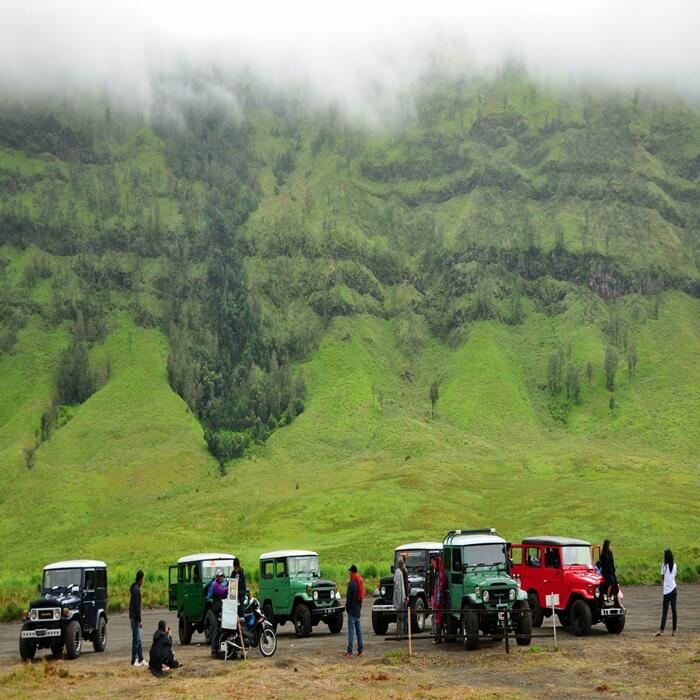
(40, 633)
(327, 612)
(384, 608)
(611, 612)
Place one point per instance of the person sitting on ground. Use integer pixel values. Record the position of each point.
(161, 657)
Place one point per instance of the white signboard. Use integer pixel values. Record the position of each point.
(552, 600)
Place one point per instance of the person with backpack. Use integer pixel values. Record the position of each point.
(353, 606)
(668, 571)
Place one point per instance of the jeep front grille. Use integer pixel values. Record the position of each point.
(325, 595)
(498, 596)
(46, 613)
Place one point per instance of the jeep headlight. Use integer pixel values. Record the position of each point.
(511, 594)
(57, 614)
(33, 614)
(382, 590)
(597, 592)
(337, 595)
(486, 597)
(315, 595)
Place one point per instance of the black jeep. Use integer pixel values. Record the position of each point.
(417, 557)
(73, 607)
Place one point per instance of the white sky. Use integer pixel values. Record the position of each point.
(345, 51)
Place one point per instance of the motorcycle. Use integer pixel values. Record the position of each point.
(257, 632)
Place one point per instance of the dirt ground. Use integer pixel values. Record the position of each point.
(601, 665)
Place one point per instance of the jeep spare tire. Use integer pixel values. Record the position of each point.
(302, 621)
(99, 636)
(536, 613)
(184, 629)
(74, 639)
(580, 618)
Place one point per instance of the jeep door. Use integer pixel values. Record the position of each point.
(191, 592)
(172, 587)
(281, 589)
(100, 592)
(89, 610)
(553, 575)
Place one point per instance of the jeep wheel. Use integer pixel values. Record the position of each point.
(335, 623)
(615, 625)
(27, 648)
(99, 636)
(581, 618)
(470, 628)
(535, 609)
(523, 622)
(418, 615)
(270, 616)
(57, 647)
(563, 619)
(210, 622)
(379, 623)
(302, 621)
(184, 629)
(74, 639)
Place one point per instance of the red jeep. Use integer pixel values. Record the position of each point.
(563, 567)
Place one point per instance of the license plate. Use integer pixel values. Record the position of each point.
(501, 616)
(41, 633)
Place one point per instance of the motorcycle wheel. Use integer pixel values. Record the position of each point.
(230, 639)
(267, 642)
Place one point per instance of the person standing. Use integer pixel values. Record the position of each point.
(218, 590)
(353, 606)
(135, 621)
(438, 599)
(239, 575)
(400, 597)
(668, 571)
(607, 566)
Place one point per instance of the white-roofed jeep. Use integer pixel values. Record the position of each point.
(72, 608)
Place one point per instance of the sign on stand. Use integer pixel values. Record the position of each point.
(552, 601)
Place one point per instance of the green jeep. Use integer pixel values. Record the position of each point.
(189, 582)
(291, 589)
(481, 594)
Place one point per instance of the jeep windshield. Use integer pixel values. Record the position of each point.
(475, 555)
(304, 565)
(210, 566)
(62, 578)
(415, 560)
(577, 555)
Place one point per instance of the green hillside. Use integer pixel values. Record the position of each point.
(220, 330)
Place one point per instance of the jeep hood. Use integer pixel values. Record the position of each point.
(323, 583)
(582, 577)
(488, 579)
(55, 601)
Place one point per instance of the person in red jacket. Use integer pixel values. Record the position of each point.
(353, 606)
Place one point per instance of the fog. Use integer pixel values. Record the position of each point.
(360, 55)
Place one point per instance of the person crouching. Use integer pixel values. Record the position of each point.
(161, 657)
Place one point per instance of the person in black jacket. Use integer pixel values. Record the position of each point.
(239, 575)
(607, 566)
(353, 606)
(161, 657)
(135, 620)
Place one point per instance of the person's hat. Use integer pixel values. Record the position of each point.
(353, 569)
(219, 572)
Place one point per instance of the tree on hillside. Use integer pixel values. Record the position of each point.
(611, 404)
(573, 383)
(611, 361)
(589, 374)
(434, 395)
(76, 380)
(554, 370)
(632, 360)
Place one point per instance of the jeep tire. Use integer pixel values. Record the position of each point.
(450, 627)
(270, 616)
(57, 647)
(533, 602)
(302, 620)
(335, 623)
(470, 628)
(418, 615)
(615, 625)
(379, 623)
(523, 622)
(27, 648)
(99, 636)
(210, 622)
(184, 629)
(74, 639)
(581, 618)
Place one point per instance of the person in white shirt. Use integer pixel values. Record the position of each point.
(668, 571)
